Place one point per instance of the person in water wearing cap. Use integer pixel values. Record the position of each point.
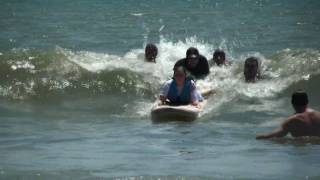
(251, 69)
(151, 52)
(180, 90)
(219, 58)
(305, 121)
(194, 63)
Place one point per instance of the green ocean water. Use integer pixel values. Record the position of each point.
(76, 94)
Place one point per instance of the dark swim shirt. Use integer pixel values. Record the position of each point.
(200, 71)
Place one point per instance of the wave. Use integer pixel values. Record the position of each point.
(29, 74)
(43, 74)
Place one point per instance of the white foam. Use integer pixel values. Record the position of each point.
(22, 65)
(137, 14)
(285, 68)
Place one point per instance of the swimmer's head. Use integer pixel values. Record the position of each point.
(219, 57)
(192, 56)
(151, 52)
(299, 101)
(251, 69)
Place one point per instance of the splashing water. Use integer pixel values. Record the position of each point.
(28, 73)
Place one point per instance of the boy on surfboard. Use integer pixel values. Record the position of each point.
(180, 90)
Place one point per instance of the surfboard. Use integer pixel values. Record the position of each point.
(164, 113)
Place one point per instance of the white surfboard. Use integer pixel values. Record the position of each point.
(162, 113)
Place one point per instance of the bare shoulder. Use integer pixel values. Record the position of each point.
(292, 120)
(313, 112)
(295, 117)
(314, 115)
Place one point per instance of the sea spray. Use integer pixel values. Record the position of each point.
(58, 73)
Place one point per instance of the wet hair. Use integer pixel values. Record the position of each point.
(299, 98)
(151, 48)
(191, 51)
(218, 53)
(252, 59)
(251, 69)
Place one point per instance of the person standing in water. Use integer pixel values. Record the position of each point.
(251, 70)
(305, 121)
(180, 90)
(196, 64)
(219, 58)
(151, 52)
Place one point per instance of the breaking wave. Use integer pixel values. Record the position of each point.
(58, 73)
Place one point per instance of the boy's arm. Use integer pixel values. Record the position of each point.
(281, 132)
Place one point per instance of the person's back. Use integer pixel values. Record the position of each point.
(304, 124)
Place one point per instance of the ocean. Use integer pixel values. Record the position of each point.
(76, 94)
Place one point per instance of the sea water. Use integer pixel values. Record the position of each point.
(76, 93)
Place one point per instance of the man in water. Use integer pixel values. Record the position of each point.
(196, 64)
(151, 52)
(305, 122)
(251, 70)
(180, 90)
(219, 58)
